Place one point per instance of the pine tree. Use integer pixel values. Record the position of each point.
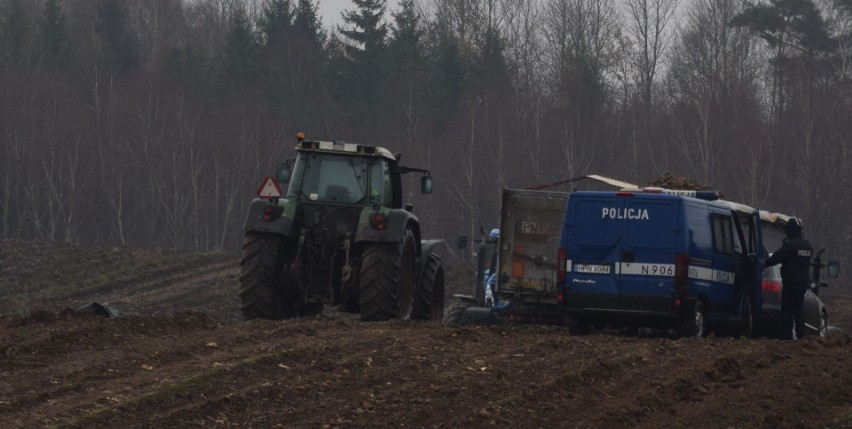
(406, 46)
(795, 24)
(13, 31)
(363, 77)
(241, 51)
(367, 31)
(448, 73)
(277, 19)
(307, 22)
(113, 28)
(54, 34)
(491, 68)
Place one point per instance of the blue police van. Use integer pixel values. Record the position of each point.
(681, 260)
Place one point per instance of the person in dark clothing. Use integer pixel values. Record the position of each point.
(795, 259)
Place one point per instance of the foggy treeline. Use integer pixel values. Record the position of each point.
(153, 122)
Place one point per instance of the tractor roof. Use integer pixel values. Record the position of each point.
(343, 148)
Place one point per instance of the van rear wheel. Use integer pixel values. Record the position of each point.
(699, 321)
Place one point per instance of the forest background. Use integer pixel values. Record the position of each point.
(142, 123)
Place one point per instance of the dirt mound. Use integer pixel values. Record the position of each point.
(668, 181)
(179, 357)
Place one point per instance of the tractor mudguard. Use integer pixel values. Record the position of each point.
(428, 246)
(282, 222)
(396, 222)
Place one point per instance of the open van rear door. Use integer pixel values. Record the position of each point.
(755, 256)
(749, 271)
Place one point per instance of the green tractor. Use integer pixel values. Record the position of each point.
(340, 236)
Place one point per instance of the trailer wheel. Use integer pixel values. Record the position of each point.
(454, 312)
(429, 293)
(386, 280)
(823, 324)
(263, 281)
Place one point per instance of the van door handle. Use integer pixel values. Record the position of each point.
(628, 257)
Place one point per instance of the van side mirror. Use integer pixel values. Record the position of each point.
(282, 174)
(426, 185)
(461, 243)
(833, 269)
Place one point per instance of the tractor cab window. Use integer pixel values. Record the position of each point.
(330, 178)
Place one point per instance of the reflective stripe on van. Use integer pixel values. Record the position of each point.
(640, 269)
(703, 273)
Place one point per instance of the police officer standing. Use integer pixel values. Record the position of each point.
(795, 259)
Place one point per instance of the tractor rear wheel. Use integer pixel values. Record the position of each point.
(386, 280)
(262, 277)
(429, 293)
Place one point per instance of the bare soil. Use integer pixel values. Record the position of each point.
(180, 357)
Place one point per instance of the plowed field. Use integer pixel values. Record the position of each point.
(180, 357)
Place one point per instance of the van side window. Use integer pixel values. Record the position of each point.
(723, 234)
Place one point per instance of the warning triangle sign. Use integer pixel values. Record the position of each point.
(269, 189)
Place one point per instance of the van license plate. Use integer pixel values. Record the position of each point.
(592, 269)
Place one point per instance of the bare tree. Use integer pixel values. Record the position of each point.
(60, 194)
(525, 52)
(648, 27)
(713, 83)
(643, 44)
(461, 18)
(157, 25)
(838, 17)
(463, 187)
(581, 46)
(11, 170)
(229, 188)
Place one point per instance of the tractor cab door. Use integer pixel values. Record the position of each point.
(381, 187)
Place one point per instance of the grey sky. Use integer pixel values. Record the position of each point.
(331, 10)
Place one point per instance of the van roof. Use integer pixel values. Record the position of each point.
(665, 195)
(703, 196)
(765, 215)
